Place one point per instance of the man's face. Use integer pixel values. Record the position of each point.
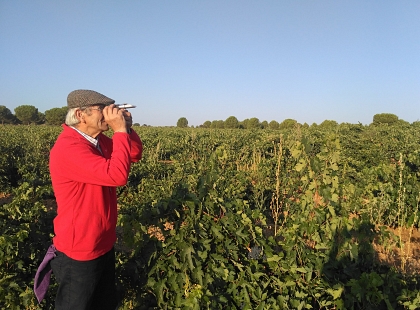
(94, 119)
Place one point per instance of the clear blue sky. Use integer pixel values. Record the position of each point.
(207, 60)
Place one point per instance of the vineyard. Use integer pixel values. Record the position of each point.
(304, 218)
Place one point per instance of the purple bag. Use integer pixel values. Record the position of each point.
(43, 274)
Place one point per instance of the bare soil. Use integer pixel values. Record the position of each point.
(5, 198)
(404, 253)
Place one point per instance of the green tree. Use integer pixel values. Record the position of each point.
(288, 124)
(231, 122)
(41, 118)
(264, 124)
(182, 123)
(56, 116)
(27, 114)
(273, 125)
(403, 122)
(206, 124)
(385, 118)
(6, 116)
(416, 124)
(217, 124)
(328, 124)
(244, 123)
(253, 123)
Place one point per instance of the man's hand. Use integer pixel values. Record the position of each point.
(115, 119)
(128, 118)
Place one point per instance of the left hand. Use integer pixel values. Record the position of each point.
(128, 118)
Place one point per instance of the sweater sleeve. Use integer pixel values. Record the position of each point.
(78, 160)
(136, 147)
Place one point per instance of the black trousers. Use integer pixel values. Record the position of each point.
(85, 285)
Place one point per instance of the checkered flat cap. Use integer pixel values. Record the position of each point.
(83, 98)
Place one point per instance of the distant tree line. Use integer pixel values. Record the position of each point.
(28, 114)
(254, 123)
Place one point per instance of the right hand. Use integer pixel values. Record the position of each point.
(115, 119)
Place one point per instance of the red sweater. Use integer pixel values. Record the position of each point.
(84, 183)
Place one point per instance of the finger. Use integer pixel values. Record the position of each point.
(115, 110)
(108, 109)
(105, 112)
(112, 112)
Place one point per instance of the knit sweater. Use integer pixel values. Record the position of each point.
(84, 181)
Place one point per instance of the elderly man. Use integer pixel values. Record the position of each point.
(86, 167)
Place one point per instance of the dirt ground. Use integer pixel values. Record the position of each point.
(4, 198)
(404, 254)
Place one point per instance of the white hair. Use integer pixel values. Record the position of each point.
(71, 118)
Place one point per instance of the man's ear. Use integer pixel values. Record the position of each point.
(80, 116)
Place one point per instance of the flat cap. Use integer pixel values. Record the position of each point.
(83, 98)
